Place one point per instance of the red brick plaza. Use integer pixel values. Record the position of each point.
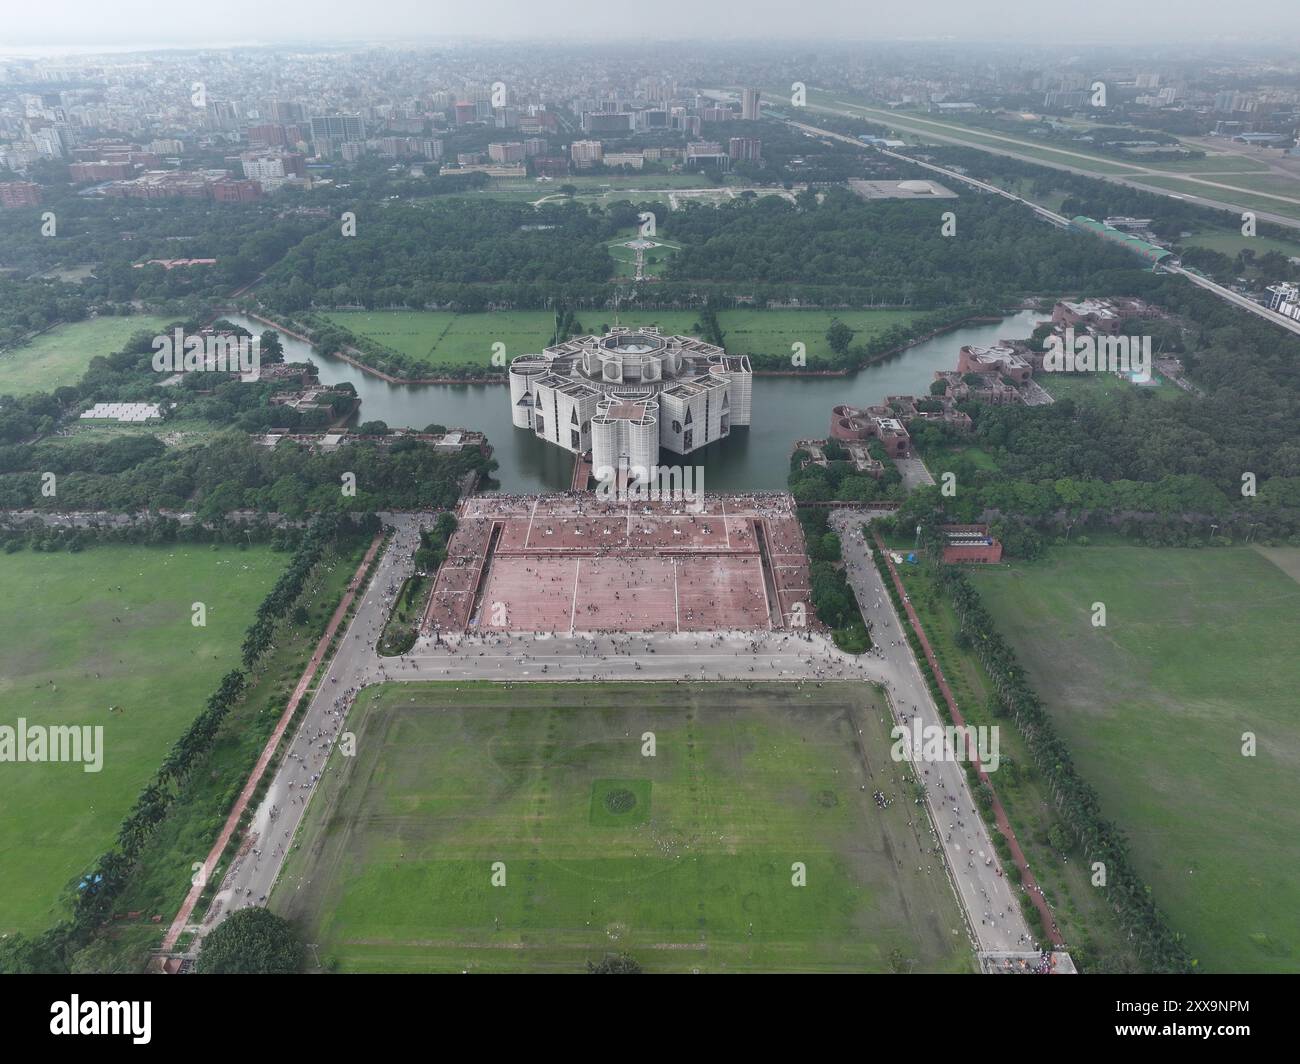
(573, 563)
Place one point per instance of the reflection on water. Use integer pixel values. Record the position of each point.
(785, 409)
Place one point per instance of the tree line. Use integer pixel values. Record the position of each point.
(96, 893)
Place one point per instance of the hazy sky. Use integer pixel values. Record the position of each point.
(117, 22)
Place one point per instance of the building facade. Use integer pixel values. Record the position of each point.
(628, 394)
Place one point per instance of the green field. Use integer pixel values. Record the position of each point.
(444, 339)
(81, 632)
(1199, 648)
(683, 859)
(952, 130)
(1100, 387)
(1231, 241)
(1252, 187)
(58, 358)
(1246, 192)
(1026, 142)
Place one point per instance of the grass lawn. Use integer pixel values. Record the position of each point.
(1230, 242)
(161, 878)
(1199, 648)
(684, 859)
(1251, 193)
(72, 645)
(173, 431)
(1099, 387)
(59, 357)
(774, 331)
(1095, 938)
(443, 339)
(977, 456)
(950, 129)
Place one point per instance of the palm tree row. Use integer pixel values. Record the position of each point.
(1158, 947)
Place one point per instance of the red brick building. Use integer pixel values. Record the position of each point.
(1105, 316)
(81, 173)
(15, 194)
(550, 165)
(969, 544)
(232, 190)
(1001, 358)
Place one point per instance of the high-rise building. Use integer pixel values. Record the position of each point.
(601, 122)
(509, 152)
(749, 105)
(285, 113)
(745, 149)
(1065, 99)
(338, 127)
(266, 136)
(222, 114)
(585, 153)
(707, 153)
(550, 166)
(50, 142)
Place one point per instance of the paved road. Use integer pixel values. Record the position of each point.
(661, 656)
(1135, 180)
(498, 656)
(1226, 294)
(276, 819)
(991, 902)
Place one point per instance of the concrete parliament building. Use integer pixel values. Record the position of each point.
(625, 395)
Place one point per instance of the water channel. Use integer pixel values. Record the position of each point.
(756, 458)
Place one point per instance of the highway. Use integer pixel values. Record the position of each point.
(1237, 299)
(1061, 222)
(929, 130)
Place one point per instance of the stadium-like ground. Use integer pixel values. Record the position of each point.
(684, 860)
(104, 638)
(1199, 648)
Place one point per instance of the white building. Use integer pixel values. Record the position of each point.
(625, 395)
(1285, 299)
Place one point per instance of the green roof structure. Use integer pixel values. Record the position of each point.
(1150, 252)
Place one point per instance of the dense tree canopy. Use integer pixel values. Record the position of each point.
(893, 250)
(252, 941)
